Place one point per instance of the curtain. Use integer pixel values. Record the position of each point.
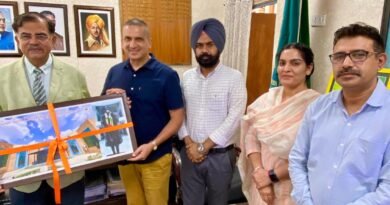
(237, 26)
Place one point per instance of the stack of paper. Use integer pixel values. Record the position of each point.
(95, 186)
(114, 183)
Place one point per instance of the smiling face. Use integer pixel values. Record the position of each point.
(292, 69)
(136, 42)
(357, 76)
(35, 41)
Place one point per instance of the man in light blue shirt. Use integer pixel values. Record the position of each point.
(342, 152)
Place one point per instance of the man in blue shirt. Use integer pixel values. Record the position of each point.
(342, 152)
(6, 37)
(156, 110)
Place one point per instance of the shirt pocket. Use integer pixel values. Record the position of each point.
(150, 91)
(217, 101)
(365, 157)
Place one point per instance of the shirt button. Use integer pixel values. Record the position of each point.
(131, 88)
(335, 166)
(134, 75)
(349, 124)
(341, 145)
(329, 187)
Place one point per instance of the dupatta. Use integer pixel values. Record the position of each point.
(276, 124)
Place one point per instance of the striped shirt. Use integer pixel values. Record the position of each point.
(214, 105)
(46, 68)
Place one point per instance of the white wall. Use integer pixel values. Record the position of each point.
(339, 13)
(95, 69)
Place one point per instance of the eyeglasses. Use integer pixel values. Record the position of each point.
(356, 56)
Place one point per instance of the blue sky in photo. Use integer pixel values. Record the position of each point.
(37, 127)
(28, 128)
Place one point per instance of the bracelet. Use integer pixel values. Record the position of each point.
(256, 168)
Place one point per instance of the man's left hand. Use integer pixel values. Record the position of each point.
(193, 154)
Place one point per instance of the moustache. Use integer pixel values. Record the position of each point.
(205, 56)
(348, 71)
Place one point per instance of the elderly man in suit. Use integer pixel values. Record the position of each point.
(35, 79)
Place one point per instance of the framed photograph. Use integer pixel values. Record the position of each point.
(95, 35)
(385, 29)
(58, 14)
(32, 126)
(383, 75)
(8, 45)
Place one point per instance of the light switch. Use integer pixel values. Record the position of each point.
(318, 20)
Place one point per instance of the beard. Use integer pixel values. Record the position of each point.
(208, 61)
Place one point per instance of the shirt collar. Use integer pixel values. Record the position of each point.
(45, 68)
(375, 100)
(217, 68)
(148, 65)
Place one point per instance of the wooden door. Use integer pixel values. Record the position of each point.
(260, 55)
(169, 22)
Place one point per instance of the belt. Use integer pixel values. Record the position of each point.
(221, 150)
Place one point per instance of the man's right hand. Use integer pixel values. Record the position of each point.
(192, 150)
(119, 91)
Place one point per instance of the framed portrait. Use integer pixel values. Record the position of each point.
(95, 35)
(79, 123)
(58, 14)
(385, 29)
(8, 45)
(383, 75)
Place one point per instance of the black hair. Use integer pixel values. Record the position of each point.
(32, 17)
(361, 29)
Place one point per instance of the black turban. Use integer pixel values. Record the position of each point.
(214, 30)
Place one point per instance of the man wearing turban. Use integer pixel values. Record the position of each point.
(97, 38)
(215, 99)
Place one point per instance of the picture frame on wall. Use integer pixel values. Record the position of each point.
(385, 29)
(95, 35)
(8, 45)
(58, 14)
(27, 134)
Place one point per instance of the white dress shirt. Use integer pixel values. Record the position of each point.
(214, 105)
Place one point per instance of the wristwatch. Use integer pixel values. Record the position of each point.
(201, 148)
(272, 176)
(154, 145)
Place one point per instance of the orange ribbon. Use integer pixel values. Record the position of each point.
(61, 145)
